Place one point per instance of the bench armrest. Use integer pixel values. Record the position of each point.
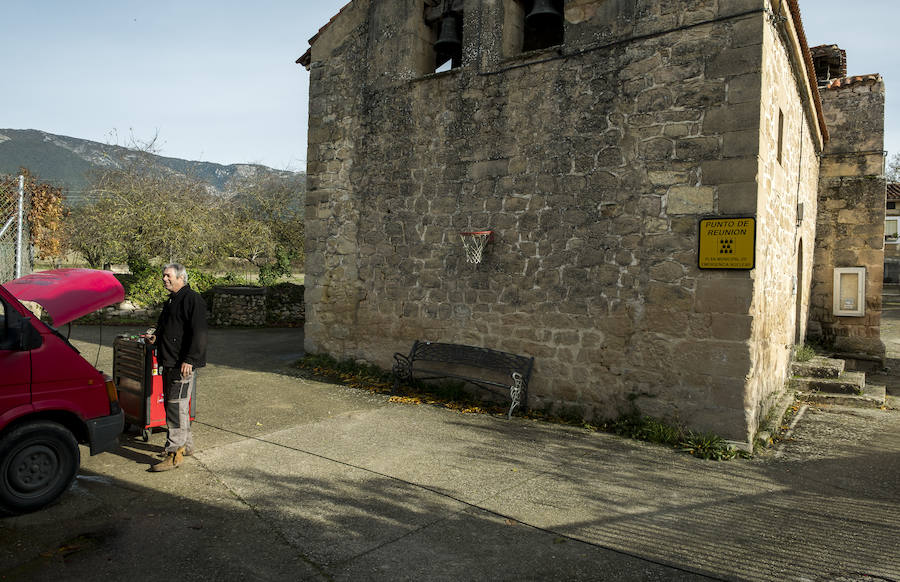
(402, 368)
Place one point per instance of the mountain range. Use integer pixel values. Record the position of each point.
(66, 161)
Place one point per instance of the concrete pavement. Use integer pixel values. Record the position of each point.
(301, 480)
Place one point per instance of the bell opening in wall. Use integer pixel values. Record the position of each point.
(448, 43)
(543, 24)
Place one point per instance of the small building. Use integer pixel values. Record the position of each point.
(657, 177)
(850, 245)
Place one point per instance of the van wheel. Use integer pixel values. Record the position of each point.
(38, 461)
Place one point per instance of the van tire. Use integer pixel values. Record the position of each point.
(38, 462)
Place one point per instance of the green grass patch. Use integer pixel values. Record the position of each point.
(699, 444)
(804, 353)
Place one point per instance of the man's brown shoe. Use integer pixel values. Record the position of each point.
(164, 453)
(172, 461)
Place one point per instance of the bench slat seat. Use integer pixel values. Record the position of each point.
(424, 358)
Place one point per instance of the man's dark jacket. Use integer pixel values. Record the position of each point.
(181, 330)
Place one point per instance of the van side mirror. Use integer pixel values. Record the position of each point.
(29, 337)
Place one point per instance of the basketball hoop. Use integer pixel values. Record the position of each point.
(474, 243)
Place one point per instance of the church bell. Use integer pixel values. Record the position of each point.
(449, 42)
(543, 13)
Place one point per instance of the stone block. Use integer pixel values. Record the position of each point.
(748, 31)
(673, 297)
(488, 169)
(700, 12)
(690, 200)
(677, 130)
(741, 143)
(732, 117)
(729, 171)
(735, 61)
(851, 166)
(667, 271)
(697, 148)
(663, 320)
(723, 295)
(738, 198)
(731, 327)
(667, 177)
(714, 358)
(737, 7)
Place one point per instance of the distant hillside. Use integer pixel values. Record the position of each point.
(65, 161)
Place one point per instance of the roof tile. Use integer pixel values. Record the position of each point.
(893, 191)
(854, 80)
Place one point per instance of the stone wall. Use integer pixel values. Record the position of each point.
(851, 215)
(284, 304)
(242, 306)
(278, 305)
(790, 142)
(592, 163)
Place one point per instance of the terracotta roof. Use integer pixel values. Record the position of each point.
(893, 191)
(305, 57)
(855, 80)
(810, 67)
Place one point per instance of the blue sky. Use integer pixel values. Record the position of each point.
(216, 79)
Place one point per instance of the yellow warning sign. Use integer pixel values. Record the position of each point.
(727, 243)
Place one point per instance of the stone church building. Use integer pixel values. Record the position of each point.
(679, 192)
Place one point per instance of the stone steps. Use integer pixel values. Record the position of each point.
(871, 397)
(824, 381)
(819, 367)
(846, 383)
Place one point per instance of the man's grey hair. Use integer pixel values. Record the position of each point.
(180, 271)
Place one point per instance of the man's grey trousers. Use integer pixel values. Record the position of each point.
(178, 392)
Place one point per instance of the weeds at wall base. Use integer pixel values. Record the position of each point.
(453, 396)
(804, 352)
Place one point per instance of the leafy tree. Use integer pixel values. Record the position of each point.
(45, 211)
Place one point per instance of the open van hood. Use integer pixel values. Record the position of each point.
(67, 294)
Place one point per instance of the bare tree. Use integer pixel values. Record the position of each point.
(144, 211)
(266, 214)
(892, 174)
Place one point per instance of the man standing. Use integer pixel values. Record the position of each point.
(180, 339)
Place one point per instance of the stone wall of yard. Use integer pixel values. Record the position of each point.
(279, 305)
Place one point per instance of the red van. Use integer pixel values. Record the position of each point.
(51, 398)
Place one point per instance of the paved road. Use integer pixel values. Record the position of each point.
(299, 480)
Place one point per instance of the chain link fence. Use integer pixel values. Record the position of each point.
(11, 221)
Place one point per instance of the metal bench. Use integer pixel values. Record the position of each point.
(482, 367)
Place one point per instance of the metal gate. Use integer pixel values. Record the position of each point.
(15, 255)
